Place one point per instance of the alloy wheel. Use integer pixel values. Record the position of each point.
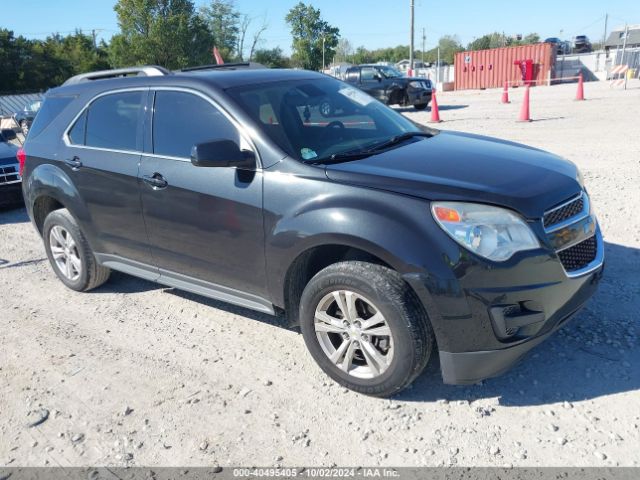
(354, 334)
(65, 253)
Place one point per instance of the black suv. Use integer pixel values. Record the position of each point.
(389, 85)
(379, 238)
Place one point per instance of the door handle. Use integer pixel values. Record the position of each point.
(156, 180)
(74, 163)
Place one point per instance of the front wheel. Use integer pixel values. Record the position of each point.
(421, 106)
(365, 327)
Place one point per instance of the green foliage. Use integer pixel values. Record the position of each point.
(497, 40)
(223, 21)
(273, 58)
(308, 31)
(29, 65)
(159, 32)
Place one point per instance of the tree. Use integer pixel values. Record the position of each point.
(308, 30)
(223, 21)
(273, 58)
(161, 32)
(344, 50)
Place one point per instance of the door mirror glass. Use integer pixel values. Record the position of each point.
(221, 153)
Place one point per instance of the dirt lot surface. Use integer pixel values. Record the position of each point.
(137, 374)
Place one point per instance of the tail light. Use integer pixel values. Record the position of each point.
(22, 157)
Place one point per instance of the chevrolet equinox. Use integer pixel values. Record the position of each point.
(381, 239)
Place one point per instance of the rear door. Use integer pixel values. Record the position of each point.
(205, 224)
(372, 82)
(102, 158)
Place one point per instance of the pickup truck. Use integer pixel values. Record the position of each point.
(389, 85)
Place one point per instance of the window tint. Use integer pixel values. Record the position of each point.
(182, 120)
(367, 74)
(76, 134)
(112, 121)
(50, 109)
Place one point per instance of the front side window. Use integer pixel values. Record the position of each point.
(182, 120)
(367, 73)
(113, 120)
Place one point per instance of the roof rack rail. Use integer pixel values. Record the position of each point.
(232, 66)
(145, 70)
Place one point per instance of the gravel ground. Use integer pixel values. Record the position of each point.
(137, 374)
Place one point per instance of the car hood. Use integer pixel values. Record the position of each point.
(7, 153)
(465, 167)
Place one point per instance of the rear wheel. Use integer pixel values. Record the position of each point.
(365, 327)
(69, 253)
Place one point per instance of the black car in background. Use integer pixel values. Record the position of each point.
(10, 183)
(379, 238)
(581, 44)
(390, 86)
(25, 117)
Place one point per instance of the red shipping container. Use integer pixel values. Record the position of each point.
(491, 68)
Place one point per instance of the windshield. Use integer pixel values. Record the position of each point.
(317, 118)
(389, 72)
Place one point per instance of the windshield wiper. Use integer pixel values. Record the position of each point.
(372, 150)
(396, 140)
(343, 157)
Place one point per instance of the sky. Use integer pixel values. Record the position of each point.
(371, 23)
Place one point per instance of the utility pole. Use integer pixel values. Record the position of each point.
(93, 34)
(604, 36)
(438, 67)
(624, 47)
(411, 39)
(323, 54)
(424, 41)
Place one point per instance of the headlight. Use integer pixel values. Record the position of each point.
(491, 232)
(416, 84)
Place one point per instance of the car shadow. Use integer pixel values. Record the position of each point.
(13, 214)
(409, 109)
(594, 355)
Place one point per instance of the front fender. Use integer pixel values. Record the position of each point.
(397, 229)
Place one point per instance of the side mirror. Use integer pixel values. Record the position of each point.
(221, 153)
(8, 134)
(377, 76)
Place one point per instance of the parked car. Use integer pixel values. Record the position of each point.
(562, 47)
(581, 44)
(380, 239)
(10, 188)
(25, 117)
(390, 86)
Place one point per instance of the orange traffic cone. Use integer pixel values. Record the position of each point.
(435, 113)
(524, 111)
(505, 93)
(580, 92)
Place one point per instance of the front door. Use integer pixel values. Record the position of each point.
(102, 159)
(204, 223)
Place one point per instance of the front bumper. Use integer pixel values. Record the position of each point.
(418, 96)
(465, 310)
(10, 184)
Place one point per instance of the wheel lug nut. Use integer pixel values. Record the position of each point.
(345, 336)
(345, 323)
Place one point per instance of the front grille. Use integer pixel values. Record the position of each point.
(8, 174)
(561, 214)
(580, 255)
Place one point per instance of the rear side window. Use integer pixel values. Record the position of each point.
(112, 121)
(76, 134)
(51, 108)
(182, 120)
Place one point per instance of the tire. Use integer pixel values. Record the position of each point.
(421, 106)
(69, 253)
(403, 339)
(326, 109)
